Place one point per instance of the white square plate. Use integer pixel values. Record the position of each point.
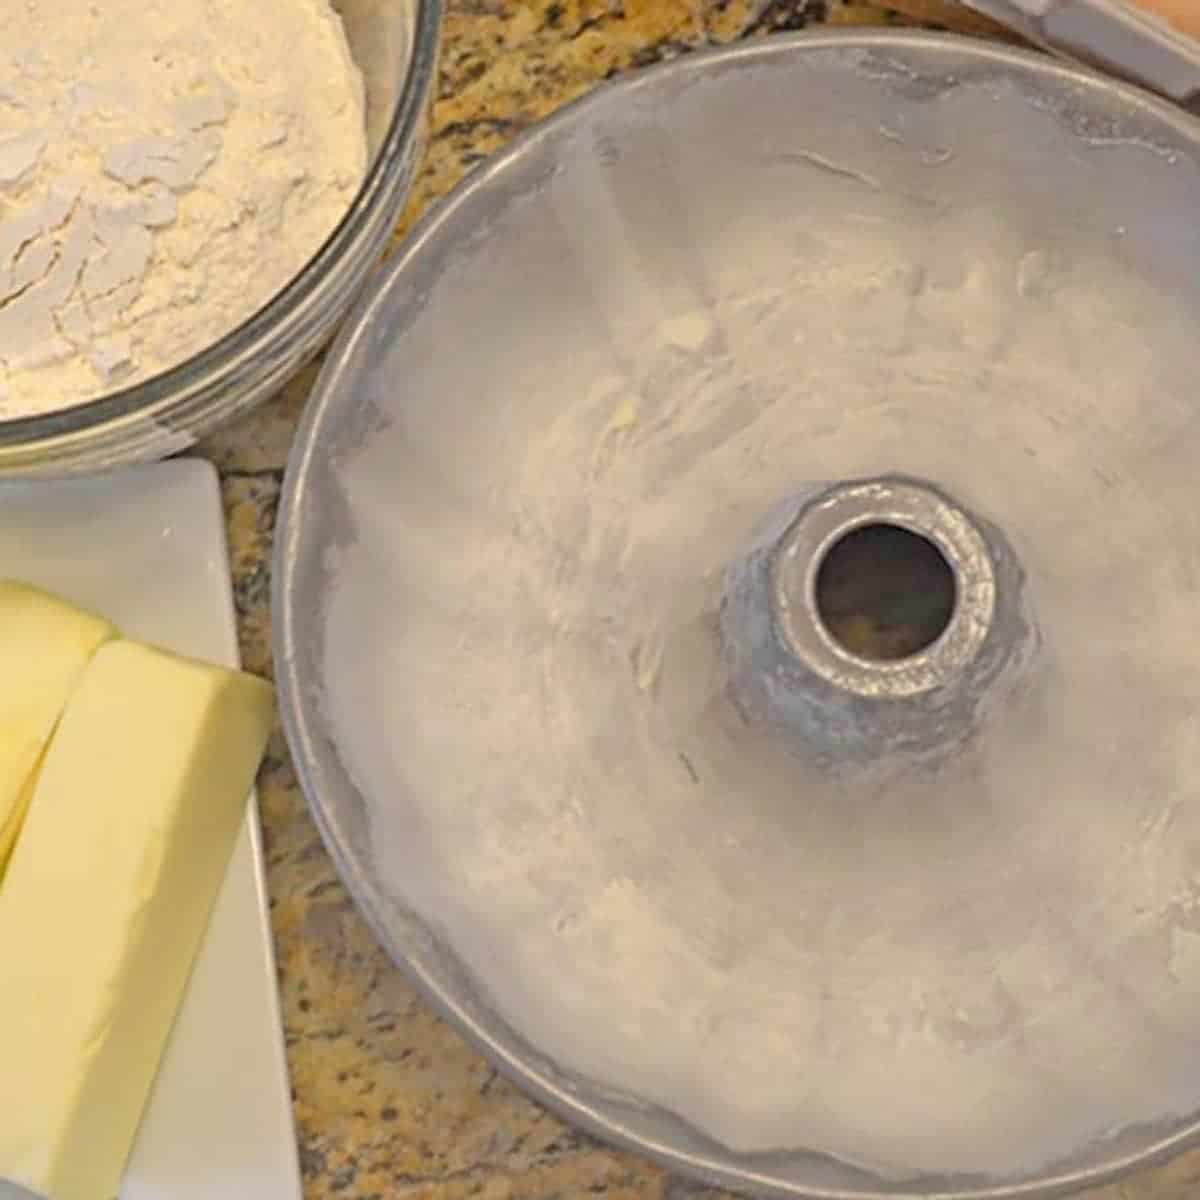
(146, 547)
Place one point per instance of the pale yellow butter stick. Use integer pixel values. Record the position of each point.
(109, 891)
(45, 644)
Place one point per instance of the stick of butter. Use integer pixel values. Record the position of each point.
(45, 644)
(109, 891)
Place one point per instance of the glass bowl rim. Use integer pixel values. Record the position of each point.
(153, 397)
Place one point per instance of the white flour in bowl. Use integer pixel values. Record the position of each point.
(166, 167)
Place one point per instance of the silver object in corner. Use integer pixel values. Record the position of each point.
(1112, 35)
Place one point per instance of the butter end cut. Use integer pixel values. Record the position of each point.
(45, 644)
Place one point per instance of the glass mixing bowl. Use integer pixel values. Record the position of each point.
(395, 45)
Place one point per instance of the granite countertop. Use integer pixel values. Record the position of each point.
(390, 1103)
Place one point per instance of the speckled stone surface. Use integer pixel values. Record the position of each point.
(390, 1104)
